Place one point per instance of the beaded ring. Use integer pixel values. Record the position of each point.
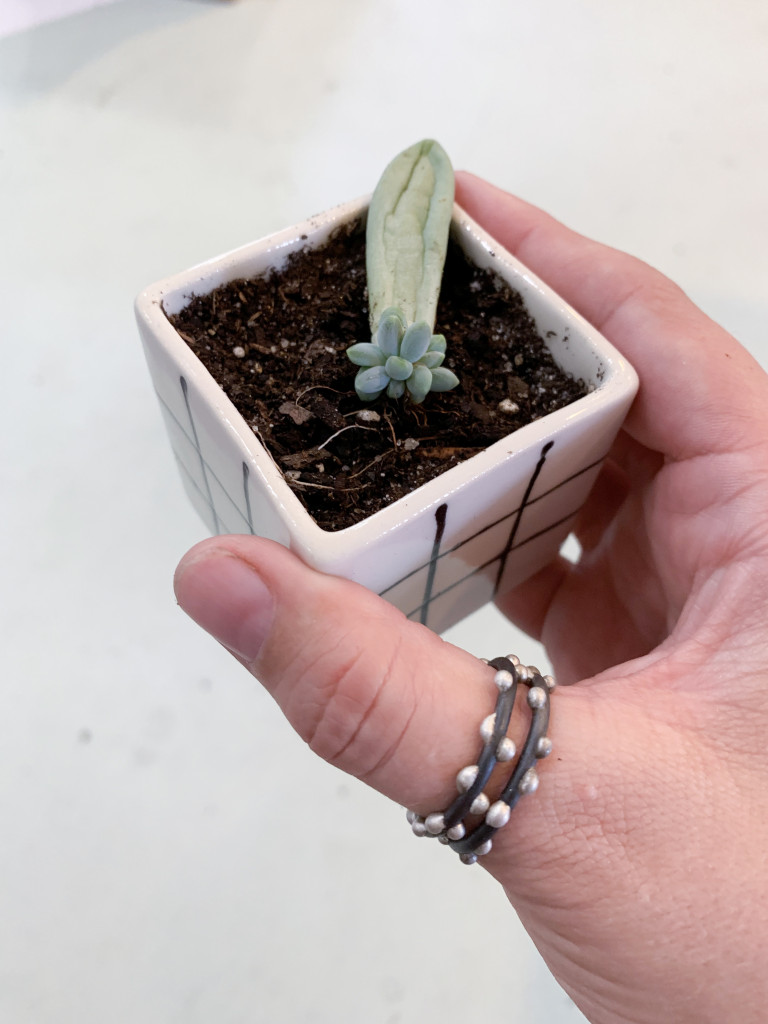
(449, 826)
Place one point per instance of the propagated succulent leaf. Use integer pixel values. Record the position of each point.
(406, 240)
(407, 233)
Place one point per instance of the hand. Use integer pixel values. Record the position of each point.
(639, 867)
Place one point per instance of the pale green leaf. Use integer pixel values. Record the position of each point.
(390, 332)
(371, 381)
(407, 233)
(443, 379)
(398, 368)
(419, 383)
(366, 354)
(416, 341)
(431, 359)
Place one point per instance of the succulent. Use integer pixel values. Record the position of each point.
(406, 240)
(402, 358)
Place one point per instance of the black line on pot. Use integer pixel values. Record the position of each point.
(203, 469)
(533, 501)
(248, 513)
(579, 472)
(188, 474)
(496, 522)
(211, 474)
(490, 562)
(440, 514)
(516, 524)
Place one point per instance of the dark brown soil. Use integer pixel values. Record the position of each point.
(276, 345)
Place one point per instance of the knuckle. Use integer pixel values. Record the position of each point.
(353, 723)
(337, 707)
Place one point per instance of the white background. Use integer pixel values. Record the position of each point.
(169, 851)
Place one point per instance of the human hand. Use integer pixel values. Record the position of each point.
(639, 867)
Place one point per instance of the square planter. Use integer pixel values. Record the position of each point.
(445, 549)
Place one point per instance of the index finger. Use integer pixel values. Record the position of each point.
(700, 390)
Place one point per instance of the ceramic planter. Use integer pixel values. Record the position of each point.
(448, 547)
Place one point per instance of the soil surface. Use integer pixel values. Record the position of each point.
(276, 345)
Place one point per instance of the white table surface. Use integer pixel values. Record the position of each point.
(169, 851)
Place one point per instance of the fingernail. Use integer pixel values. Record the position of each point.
(228, 598)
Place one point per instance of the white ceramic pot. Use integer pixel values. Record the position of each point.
(452, 544)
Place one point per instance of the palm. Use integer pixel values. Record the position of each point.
(625, 594)
(648, 565)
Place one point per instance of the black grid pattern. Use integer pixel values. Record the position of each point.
(499, 560)
(511, 544)
(217, 516)
(497, 563)
(204, 469)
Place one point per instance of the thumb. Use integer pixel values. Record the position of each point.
(386, 700)
(380, 697)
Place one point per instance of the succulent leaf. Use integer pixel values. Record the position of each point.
(390, 332)
(419, 383)
(432, 359)
(407, 233)
(396, 312)
(371, 382)
(366, 354)
(416, 341)
(398, 368)
(443, 379)
(406, 240)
